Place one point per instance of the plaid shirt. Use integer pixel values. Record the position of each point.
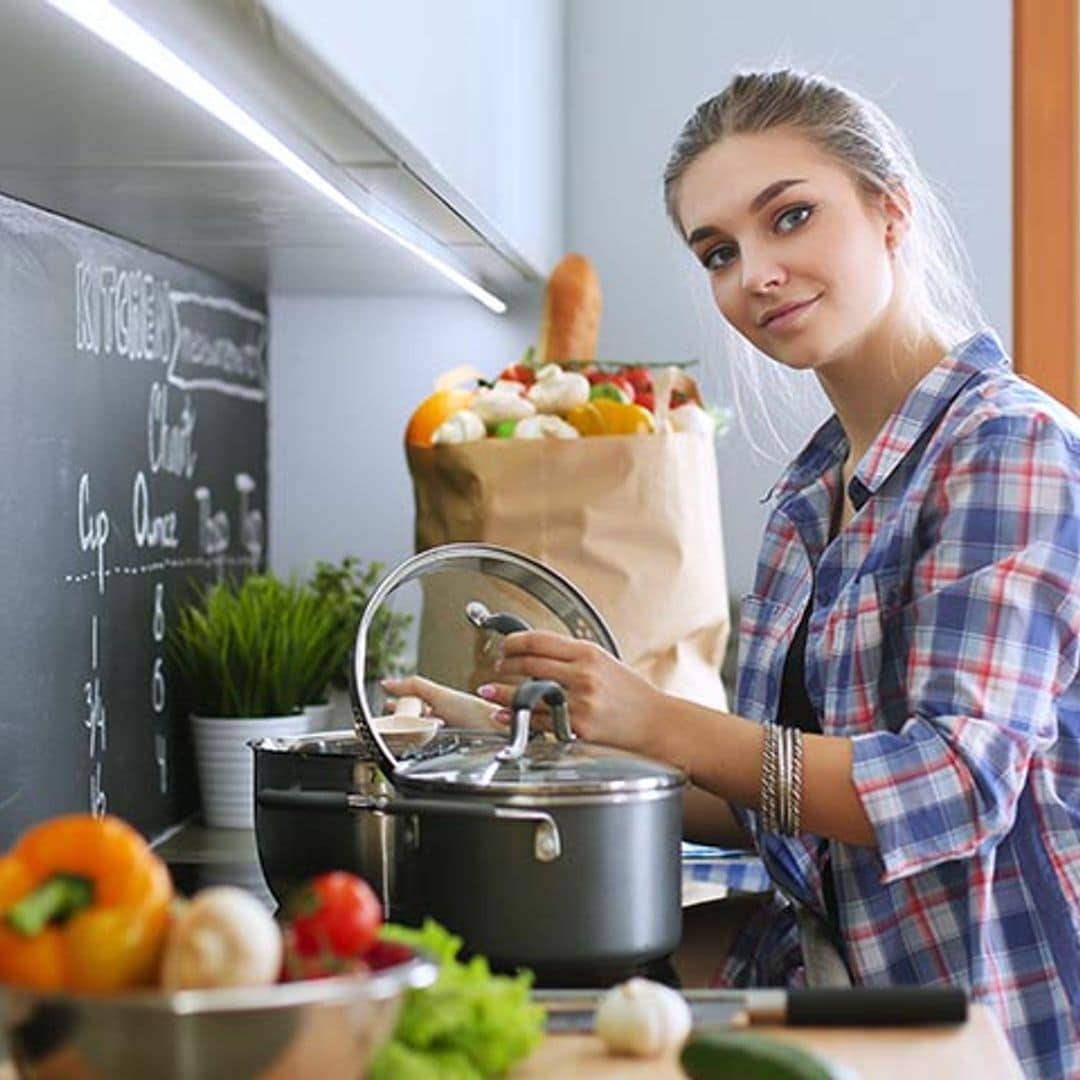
(944, 643)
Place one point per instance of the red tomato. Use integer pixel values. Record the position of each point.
(335, 914)
(640, 378)
(384, 954)
(297, 965)
(521, 373)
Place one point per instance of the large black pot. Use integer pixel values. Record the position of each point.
(538, 849)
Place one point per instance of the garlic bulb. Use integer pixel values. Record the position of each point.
(495, 405)
(223, 937)
(462, 427)
(643, 1018)
(558, 391)
(544, 427)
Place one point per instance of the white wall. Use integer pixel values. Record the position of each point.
(636, 69)
(345, 374)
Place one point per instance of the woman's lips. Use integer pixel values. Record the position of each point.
(787, 314)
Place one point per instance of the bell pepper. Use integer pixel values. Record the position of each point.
(606, 417)
(84, 906)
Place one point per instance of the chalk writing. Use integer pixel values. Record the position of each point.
(99, 803)
(171, 447)
(126, 313)
(151, 530)
(252, 527)
(205, 357)
(213, 527)
(93, 529)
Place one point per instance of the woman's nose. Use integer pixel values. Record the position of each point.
(760, 272)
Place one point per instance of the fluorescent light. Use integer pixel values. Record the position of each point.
(117, 29)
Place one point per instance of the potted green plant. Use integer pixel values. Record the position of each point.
(345, 588)
(250, 654)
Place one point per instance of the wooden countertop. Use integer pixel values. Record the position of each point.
(977, 1048)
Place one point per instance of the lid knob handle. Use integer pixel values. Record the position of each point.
(500, 623)
(526, 697)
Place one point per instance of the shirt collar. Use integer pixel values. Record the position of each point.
(918, 412)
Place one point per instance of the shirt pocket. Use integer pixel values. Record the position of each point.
(856, 639)
(766, 628)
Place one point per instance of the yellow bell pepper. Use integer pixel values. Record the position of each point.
(606, 417)
(84, 905)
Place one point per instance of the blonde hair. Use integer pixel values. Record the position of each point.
(862, 139)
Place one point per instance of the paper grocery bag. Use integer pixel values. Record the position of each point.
(632, 520)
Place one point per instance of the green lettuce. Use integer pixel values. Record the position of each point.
(468, 1025)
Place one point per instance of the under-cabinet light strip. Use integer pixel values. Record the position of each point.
(117, 29)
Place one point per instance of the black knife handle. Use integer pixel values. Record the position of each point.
(877, 1006)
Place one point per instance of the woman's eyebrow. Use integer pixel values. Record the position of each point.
(762, 198)
(766, 195)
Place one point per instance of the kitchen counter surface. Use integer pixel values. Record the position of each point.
(716, 900)
(977, 1048)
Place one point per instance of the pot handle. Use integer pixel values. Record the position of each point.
(525, 699)
(547, 843)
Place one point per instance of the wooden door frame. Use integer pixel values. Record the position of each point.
(1046, 327)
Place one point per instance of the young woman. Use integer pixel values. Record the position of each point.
(905, 746)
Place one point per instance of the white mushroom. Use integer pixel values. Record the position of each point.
(461, 427)
(223, 937)
(494, 406)
(544, 427)
(558, 391)
(691, 417)
(643, 1018)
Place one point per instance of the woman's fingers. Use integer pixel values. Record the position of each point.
(456, 707)
(541, 643)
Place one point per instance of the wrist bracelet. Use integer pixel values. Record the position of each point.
(783, 784)
(780, 808)
(767, 801)
(796, 781)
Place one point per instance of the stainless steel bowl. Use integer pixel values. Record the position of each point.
(317, 1028)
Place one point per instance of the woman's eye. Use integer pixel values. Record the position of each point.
(718, 257)
(793, 218)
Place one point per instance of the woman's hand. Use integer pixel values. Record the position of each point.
(455, 707)
(609, 701)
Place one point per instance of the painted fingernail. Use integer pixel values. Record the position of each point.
(388, 684)
(502, 716)
(487, 692)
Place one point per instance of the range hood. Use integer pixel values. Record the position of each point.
(87, 133)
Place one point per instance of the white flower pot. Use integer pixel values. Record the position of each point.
(341, 711)
(227, 764)
(320, 717)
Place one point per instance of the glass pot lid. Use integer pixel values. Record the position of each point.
(439, 619)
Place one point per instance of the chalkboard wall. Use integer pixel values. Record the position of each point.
(132, 464)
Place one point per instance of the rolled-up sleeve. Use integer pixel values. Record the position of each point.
(993, 625)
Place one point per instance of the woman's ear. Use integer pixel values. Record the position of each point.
(896, 210)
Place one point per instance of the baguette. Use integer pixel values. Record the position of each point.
(570, 321)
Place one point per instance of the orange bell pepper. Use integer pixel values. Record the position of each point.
(84, 905)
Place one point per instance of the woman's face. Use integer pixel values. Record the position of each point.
(798, 257)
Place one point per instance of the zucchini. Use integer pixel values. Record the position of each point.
(744, 1055)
